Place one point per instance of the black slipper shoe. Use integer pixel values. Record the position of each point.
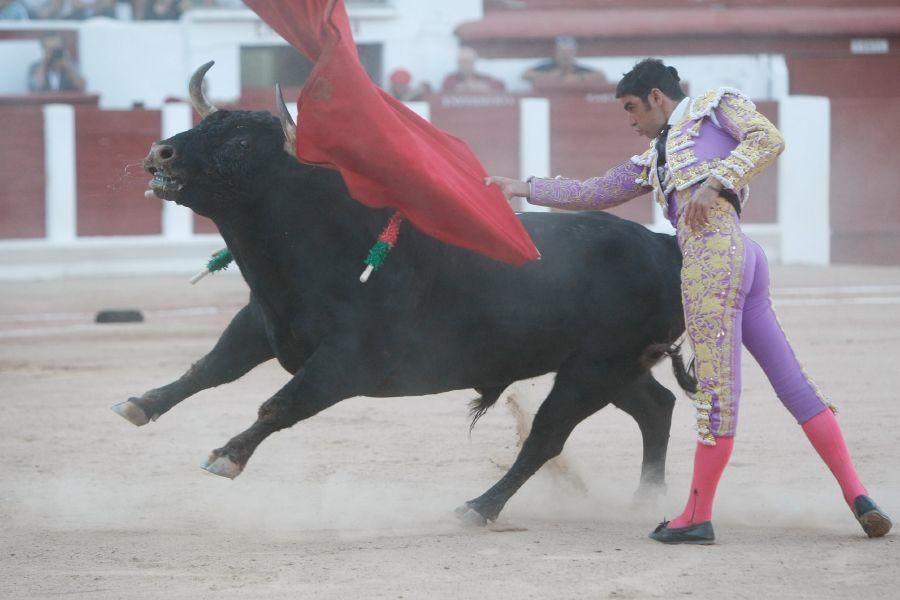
(698, 533)
(874, 522)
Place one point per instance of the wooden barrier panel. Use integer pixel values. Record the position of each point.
(849, 76)
(865, 213)
(588, 135)
(22, 206)
(110, 147)
(42, 98)
(489, 124)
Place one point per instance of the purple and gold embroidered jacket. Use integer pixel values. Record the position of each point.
(720, 135)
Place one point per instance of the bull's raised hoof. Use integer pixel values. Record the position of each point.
(470, 517)
(222, 466)
(131, 412)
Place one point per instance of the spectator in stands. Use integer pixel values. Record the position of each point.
(55, 72)
(34, 7)
(49, 9)
(85, 9)
(402, 89)
(467, 80)
(217, 3)
(12, 10)
(159, 10)
(564, 70)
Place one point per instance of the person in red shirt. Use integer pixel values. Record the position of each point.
(401, 87)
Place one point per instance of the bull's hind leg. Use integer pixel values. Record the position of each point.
(651, 405)
(577, 394)
(242, 346)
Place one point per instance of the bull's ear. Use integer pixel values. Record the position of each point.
(287, 123)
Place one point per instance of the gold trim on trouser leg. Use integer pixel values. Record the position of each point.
(711, 278)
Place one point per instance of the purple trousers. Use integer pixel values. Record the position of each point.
(725, 290)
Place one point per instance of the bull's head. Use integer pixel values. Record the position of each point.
(222, 160)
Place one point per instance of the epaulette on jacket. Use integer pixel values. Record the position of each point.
(704, 105)
(645, 160)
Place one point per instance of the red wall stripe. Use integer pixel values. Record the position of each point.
(110, 146)
(22, 203)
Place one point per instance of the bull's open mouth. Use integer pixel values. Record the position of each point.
(165, 186)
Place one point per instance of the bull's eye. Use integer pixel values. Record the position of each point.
(244, 144)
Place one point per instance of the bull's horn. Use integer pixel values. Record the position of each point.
(198, 99)
(287, 123)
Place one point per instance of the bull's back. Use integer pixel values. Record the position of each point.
(587, 259)
(604, 287)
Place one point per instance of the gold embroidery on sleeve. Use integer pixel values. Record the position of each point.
(760, 142)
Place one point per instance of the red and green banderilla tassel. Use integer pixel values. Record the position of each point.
(386, 241)
(219, 261)
(377, 255)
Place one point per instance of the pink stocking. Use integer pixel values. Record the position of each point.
(709, 463)
(825, 435)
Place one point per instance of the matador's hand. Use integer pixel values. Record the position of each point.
(511, 188)
(696, 211)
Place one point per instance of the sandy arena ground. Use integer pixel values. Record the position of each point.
(358, 501)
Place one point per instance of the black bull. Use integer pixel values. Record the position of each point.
(599, 308)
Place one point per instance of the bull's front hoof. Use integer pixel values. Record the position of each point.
(470, 517)
(131, 412)
(222, 466)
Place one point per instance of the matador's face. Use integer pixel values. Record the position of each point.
(646, 117)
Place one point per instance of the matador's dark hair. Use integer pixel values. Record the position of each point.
(648, 74)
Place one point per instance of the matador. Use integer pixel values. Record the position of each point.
(703, 153)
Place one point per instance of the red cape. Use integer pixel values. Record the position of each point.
(388, 155)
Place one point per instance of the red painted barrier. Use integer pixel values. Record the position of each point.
(865, 213)
(109, 148)
(589, 134)
(489, 124)
(22, 201)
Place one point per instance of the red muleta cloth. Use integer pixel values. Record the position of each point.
(388, 155)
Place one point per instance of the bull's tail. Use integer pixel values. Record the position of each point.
(480, 405)
(685, 376)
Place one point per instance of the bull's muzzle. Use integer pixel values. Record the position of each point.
(160, 156)
(165, 184)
